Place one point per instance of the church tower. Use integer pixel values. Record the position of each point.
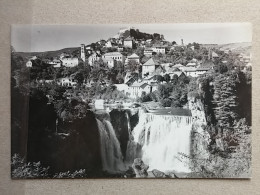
(82, 52)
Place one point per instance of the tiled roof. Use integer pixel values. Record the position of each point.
(178, 66)
(128, 38)
(113, 54)
(133, 56)
(190, 69)
(150, 62)
(203, 69)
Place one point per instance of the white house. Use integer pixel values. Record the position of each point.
(120, 48)
(133, 57)
(55, 63)
(190, 71)
(136, 89)
(108, 44)
(122, 87)
(67, 81)
(202, 70)
(29, 64)
(149, 67)
(115, 56)
(179, 66)
(70, 62)
(148, 52)
(92, 58)
(128, 42)
(191, 64)
(109, 61)
(159, 49)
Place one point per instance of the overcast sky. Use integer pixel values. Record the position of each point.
(53, 37)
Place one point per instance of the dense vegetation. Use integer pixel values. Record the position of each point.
(226, 100)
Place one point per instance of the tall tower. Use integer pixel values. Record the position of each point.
(182, 42)
(82, 52)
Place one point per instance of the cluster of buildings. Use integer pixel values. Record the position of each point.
(150, 69)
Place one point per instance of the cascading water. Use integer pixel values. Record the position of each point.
(162, 138)
(112, 159)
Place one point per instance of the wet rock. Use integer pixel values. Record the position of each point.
(130, 173)
(172, 175)
(157, 174)
(140, 168)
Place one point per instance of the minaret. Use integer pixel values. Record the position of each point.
(82, 52)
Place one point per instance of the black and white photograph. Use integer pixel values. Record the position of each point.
(131, 101)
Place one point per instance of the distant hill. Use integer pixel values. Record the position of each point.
(49, 54)
(244, 47)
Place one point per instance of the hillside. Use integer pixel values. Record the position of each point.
(136, 34)
(48, 54)
(244, 47)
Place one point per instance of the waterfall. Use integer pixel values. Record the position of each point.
(112, 159)
(162, 138)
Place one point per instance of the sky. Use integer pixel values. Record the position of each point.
(38, 38)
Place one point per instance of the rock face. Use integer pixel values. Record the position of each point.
(140, 168)
(120, 122)
(75, 146)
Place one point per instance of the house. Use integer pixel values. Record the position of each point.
(128, 42)
(70, 61)
(137, 89)
(150, 79)
(191, 64)
(214, 55)
(56, 63)
(149, 67)
(122, 87)
(148, 52)
(117, 56)
(202, 70)
(108, 44)
(148, 40)
(178, 73)
(120, 48)
(190, 71)
(159, 49)
(166, 66)
(109, 61)
(179, 66)
(93, 58)
(133, 57)
(29, 64)
(67, 81)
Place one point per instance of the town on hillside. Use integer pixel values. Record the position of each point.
(135, 63)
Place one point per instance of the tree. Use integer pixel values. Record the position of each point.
(79, 77)
(159, 78)
(167, 77)
(132, 66)
(174, 79)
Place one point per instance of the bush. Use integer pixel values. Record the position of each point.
(77, 174)
(21, 169)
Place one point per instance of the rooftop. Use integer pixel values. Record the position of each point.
(133, 56)
(150, 62)
(113, 54)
